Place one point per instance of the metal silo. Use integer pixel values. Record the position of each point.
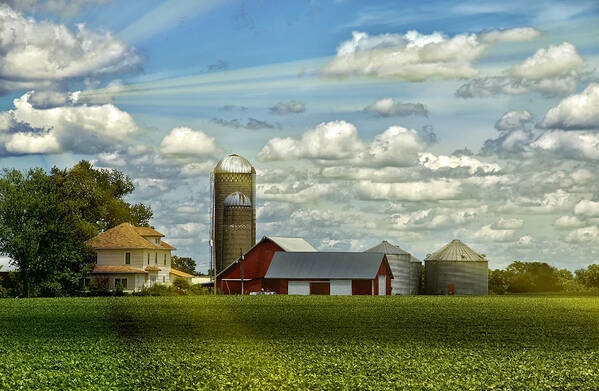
(458, 268)
(232, 174)
(406, 268)
(238, 215)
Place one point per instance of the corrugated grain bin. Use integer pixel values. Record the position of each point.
(405, 267)
(231, 175)
(456, 264)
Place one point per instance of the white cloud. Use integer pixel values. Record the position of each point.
(396, 146)
(184, 141)
(83, 129)
(553, 71)
(513, 120)
(510, 35)
(328, 141)
(410, 191)
(587, 208)
(473, 165)
(568, 222)
(569, 144)
(548, 63)
(412, 56)
(388, 107)
(36, 53)
(579, 111)
(584, 235)
(508, 223)
(487, 233)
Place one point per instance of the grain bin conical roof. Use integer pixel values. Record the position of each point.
(387, 248)
(237, 199)
(455, 251)
(234, 164)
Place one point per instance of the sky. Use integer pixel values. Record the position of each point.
(412, 122)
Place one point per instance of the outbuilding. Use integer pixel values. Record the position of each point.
(329, 273)
(252, 267)
(406, 268)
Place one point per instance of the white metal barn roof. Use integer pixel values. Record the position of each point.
(343, 265)
(291, 244)
(455, 251)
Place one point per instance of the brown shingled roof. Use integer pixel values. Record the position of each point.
(105, 269)
(126, 236)
(152, 269)
(147, 231)
(179, 273)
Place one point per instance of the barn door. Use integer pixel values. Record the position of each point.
(382, 285)
(298, 288)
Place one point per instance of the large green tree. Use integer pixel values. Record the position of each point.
(589, 277)
(185, 264)
(46, 218)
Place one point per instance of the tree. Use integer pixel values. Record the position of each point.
(94, 199)
(533, 277)
(588, 277)
(37, 237)
(184, 264)
(499, 281)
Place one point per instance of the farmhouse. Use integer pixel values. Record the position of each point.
(133, 257)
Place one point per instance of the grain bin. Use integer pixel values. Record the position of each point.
(238, 215)
(233, 174)
(456, 267)
(405, 267)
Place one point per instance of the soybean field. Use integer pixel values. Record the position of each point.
(285, 342)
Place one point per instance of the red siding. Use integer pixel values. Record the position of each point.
(361, 287)
(255, 265)
(320, 288)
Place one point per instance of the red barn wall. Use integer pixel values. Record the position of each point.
(361, 287)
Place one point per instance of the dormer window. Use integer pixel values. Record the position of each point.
(157, 240)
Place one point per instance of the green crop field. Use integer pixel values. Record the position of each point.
(205, 342)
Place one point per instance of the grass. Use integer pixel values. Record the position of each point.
(288, 342)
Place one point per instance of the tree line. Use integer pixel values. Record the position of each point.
(540, 277)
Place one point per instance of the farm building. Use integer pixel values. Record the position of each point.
(405, 267)
(233, 209)
(329, 273)
(456, 269)
(255, 264)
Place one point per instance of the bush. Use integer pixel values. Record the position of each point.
(99, 287)
(182, 284)
(198, 290)
(157, 290)
(50, 289)
(118, 290)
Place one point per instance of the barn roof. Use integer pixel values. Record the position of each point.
(286, 244)
(346, 265)
(455, 251)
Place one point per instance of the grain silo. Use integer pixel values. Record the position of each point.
(238, 215)
(456, 269)
(232, 174)
(405, 267)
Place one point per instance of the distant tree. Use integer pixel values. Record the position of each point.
(588, 277)
(94, 198)
(533, 277)
(184, 264)
(499, 281)
(37, 235)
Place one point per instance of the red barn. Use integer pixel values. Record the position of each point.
(329, 273)
(255, 265)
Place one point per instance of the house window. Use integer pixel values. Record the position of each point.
(163, 279)
(122, 281)
(97, 256)
(153, 280)
(148, 258)
(157, 240)
(155, 258)
(127, 258)
(164, 259)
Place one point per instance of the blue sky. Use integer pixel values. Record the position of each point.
(411, 122)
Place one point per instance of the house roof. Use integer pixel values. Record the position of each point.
(109, 269)
(455, 251)
(346, 265)
(152, 269)
(126, 236)
(179, 273)
(286, 244)
(390, 249)
(147, 231)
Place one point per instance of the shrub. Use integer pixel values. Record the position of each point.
(99, 287)
(157, 290)
(182, 284)
(198, 290)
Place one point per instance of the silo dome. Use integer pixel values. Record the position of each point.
(237, 199)
(234, 164)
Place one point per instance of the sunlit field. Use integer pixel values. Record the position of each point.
(288, 342)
